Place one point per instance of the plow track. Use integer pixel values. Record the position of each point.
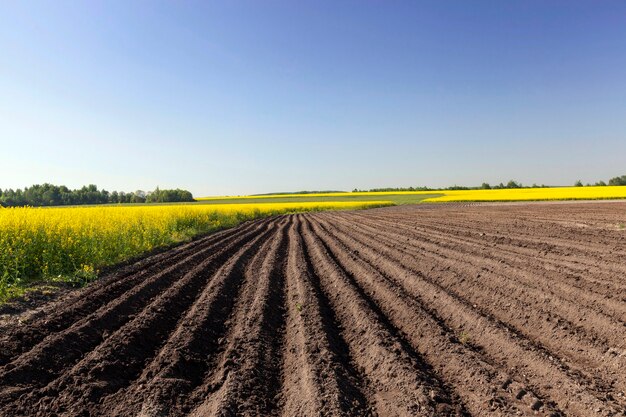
(481, 310)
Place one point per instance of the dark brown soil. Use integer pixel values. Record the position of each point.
(430, 310)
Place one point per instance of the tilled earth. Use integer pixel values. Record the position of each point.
(444, 310)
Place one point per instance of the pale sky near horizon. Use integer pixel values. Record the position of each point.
(241, 97)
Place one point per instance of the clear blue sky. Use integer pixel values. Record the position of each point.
(245, 97)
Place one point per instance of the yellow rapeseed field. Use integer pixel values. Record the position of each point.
(514, 194)
(71, 243)
(534, 194)
(68, 243)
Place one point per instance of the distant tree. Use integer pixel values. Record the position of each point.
(600, 184)
(399, 189)
(154, 196)
(123, 197)
(485, 186)
(513, 184)
(578, 183)
(169, 196)
(52, 195)
(618, 180)
(136, 198)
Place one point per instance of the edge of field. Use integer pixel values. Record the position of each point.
(529, 200)
(32, 293)
(441, 196)
(35, 291)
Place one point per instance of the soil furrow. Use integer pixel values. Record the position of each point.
(574, 276)
(520, 306)
(495, 340)
(46, 360)
(514, 282)
(576, 279)
(519, 237)
(477, 382)
(401, 384)
(247, 379)
(319, 377)
(62, 314)
(183, 360)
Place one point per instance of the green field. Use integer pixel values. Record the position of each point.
(353, 197)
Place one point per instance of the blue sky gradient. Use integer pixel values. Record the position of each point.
(242, 97)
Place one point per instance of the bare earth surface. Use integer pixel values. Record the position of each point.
(431, 310)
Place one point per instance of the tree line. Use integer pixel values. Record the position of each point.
(486, 186)
(41, 195)
(613, 181)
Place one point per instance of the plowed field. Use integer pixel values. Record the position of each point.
(459, 310)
